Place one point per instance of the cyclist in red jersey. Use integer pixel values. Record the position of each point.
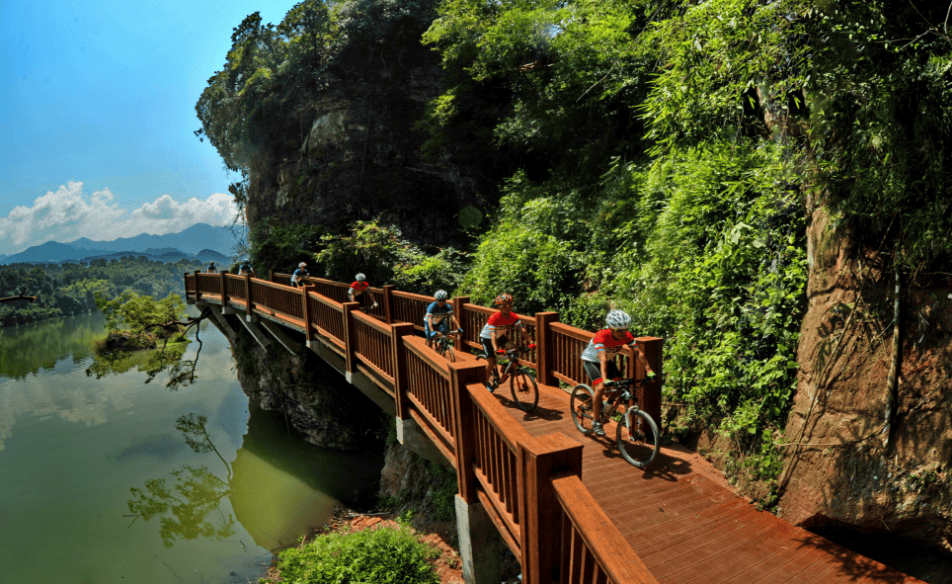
(598, 359)
(357, 292)
(502, 328)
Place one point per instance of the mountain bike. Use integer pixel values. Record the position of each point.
(443, 344)
(522, 384)
(636, 432)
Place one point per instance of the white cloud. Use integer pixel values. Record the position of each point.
(68, 214)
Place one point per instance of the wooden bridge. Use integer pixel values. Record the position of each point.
(571, 510)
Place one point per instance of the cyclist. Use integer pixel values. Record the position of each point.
(501, 330)
(245, 268)
(299, 276)
(437, 314)
(211, 268)
(356, 292)
(598, 359)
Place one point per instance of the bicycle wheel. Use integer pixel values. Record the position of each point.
(449, 352)
(581, 406)
(637, 436)
(525, 390)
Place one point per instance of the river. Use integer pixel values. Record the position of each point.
(119, 480)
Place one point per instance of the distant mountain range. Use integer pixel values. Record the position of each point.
(200, 241)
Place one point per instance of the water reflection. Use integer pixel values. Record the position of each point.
(278, 486)
(189, 507)
(39, 346)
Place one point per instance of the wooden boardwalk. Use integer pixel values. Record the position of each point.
(689, 530)
(565, 503)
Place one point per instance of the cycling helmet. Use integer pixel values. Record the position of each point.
(246, 260)
(302, 265)
(441, 295)
(503, 299)
(360, 277)
(618, 319)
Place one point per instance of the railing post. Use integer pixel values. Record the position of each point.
(306, 312)
(539, 460)
(188, 298)
(400, 369)
(249, 306)
(544, 351)
(388, 303)
(198, 293)
(350, 339)
(459, 308)
(271, 275)
(224, 290)
(649, 395)
(461, 374)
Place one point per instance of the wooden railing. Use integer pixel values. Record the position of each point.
(530, 486)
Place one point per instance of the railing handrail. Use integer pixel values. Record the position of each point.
(431, 357)
(614, 555)
(325, 300)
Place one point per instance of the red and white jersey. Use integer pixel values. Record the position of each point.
(503, 324)
(603, 341)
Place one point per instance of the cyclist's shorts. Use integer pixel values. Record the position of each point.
(594, 371)
(488, 344)
(442, 327)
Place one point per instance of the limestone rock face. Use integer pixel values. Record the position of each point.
(844, 471)
(357, 148)
(404, 474)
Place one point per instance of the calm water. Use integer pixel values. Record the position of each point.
(114, 480)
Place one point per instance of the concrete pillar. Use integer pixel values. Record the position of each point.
(479, 544)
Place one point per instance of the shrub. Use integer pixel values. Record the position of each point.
(385, 555)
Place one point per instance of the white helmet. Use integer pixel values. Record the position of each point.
(360, 277)
(441, 295)
(618, 319)
(302, 265)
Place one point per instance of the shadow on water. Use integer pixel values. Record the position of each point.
(278, 486)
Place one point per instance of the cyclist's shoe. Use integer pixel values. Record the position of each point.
(652, 376)
(490, 387)
(531, 346)
(597, 429)
(375, 305)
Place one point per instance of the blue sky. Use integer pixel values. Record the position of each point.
(97, 113)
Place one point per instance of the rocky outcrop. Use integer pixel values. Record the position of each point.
(840, 467)
(357, 149)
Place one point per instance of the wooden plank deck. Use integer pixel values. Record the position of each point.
(689, 530)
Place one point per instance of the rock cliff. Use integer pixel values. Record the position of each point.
(840, 467)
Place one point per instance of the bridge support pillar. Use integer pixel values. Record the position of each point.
(412, 437)
(479, 544)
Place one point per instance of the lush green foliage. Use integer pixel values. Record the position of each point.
(138, 313)
(881, 125)
(384, 555)
(283, 247)
(385, 257)
(71, 288)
